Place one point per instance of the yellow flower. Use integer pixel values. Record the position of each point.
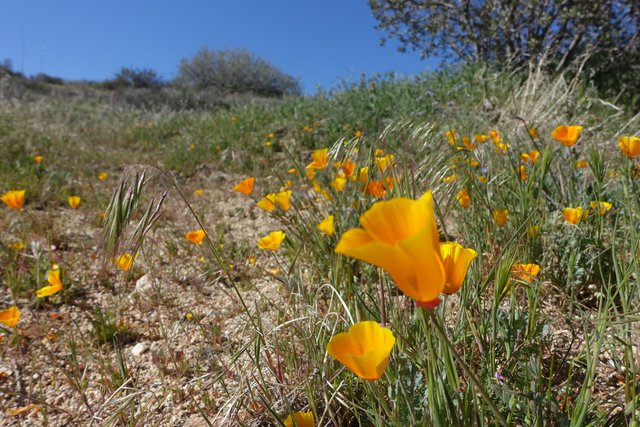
(357, 134)
(196, 236)
(38, 159)
(124, 261)
(500, 216)
(364, 349)
(573, 215)
(533, 231)
(267, 143)
(482, 179)
(531, 156)
(324, 193)
(293, 171)
(74, 201)
(199, 192)
(14, 199)
(502, 147)
(601, 207)
(525, 272)
(401, 237)
(533, 132)
(567, 135)
(581, 164)
(451, 137)
(300, 419)
(338, 183)
(55, 284)
(245, 186)
(456, 260)
(272, 241)
(463, 198)
(10, 316)
(630, 146)
(474, 163)
(523, 172)
(102, 176)
(283, 199)
(383, 162)
(363, 174)
(270, 135)
(310, 171)
(466, 141)
(449, 179)
(16, 246)
(326, 225)
(320, 158)
(268, 202)
(234, 120)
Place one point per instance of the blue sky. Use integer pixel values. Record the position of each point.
(316, 41)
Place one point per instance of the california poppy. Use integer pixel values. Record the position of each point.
(10, 316)
(364, 349)
(74, 202)
(401, 237)
(567, 135)
(272, 241)
(14, 199)
(245, 186)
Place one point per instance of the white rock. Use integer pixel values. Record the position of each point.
(144, 285)
(138, 349)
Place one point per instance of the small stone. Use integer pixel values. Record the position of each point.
(144, 285)
(138, 349)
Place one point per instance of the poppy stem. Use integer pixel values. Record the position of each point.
(383, 312)
(468, 372)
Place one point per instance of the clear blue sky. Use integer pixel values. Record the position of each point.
(317, 41)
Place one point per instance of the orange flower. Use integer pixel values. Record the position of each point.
(500, 216)
(533, 132)
(196, 236)
(376, 189)
(348, 167)
(364, 349)
(38, 159)
(630, 146)
(14, 199)
(463, 198)
(525, 272)
(55, 284)
(74, 202)
(272, 241)
(245, 186)
(10, 316)
(357, 134)
(401, 237)
(480, 138)
(574, 215)
(456, 260)
(495, 136)
(300, 419)
(531, 156)
(363, 174)
(326, 225)
(523, 172)
(567, 135)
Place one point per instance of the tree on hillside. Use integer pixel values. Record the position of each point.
(514, 32)
(235, 71)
